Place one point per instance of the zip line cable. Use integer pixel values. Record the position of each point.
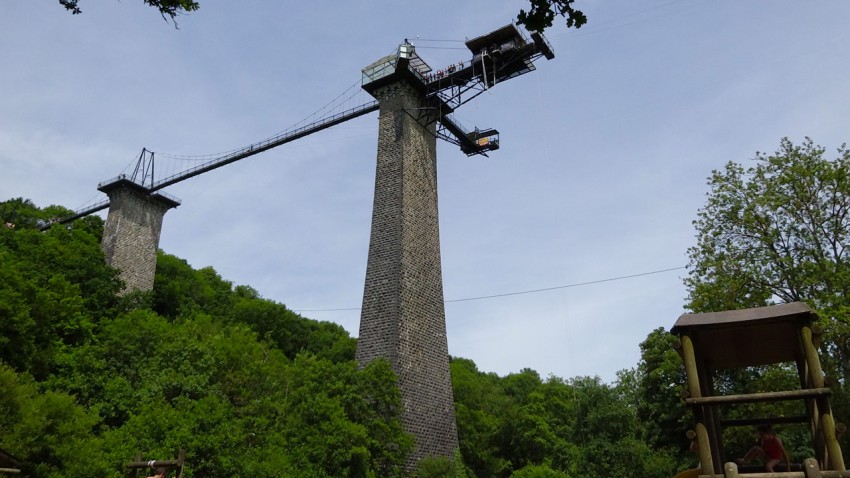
(417, 39)
(440, 48)
(577, 284)
(532, 291)
(336, 104)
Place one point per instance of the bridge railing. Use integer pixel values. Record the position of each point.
(120, 177)
(170, 197)
(266, 144)
(100, 205)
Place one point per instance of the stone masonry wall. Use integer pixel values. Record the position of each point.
(403, 315)
(131, 236)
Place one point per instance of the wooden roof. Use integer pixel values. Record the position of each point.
(8, 459)
(747, 337)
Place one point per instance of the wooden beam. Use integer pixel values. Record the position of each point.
(730, 470)
(154, 464)
(775, 474)
(743, 422)
(760, 397)
(811, 469)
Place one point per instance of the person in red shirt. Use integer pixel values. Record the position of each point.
(770, 449)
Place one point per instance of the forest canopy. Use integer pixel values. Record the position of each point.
(540, 15)
(90, 377)
(249, 388)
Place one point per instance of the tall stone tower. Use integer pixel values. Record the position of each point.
(132, 230)
(403, 316)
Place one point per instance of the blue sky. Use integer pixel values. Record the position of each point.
(605, 149)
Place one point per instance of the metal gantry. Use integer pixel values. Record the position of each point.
(498, 56)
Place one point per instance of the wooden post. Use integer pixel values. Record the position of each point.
(181, 459)
(816, 429)
(826, 423)
(730, 470)
(705, 460)
(690, 367)
(712, 417)
(812, 360)
(810, 468)
(840, 430)
(836, 459)
(138, 457)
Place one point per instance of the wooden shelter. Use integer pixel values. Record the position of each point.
(752, 337)
(9, 464)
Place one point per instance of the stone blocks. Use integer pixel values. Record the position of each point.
(403, 315)
(131, 234)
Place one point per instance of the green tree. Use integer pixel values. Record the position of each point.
(442, 467)
(539, 471)
(181, 290)
(540, 15)
(659, 406)
(482, 411)
(244, 385)
(20, 213)
(55, 287)
(49, 432)
(608, 435)
(778, 231)
(171, 8)
(291, 332)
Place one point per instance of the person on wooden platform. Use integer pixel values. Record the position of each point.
(769, 449)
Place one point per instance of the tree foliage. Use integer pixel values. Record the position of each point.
(48, 429)
(661, 377)
(773, 232)
(55, 287)
(88, 378)
(778, 231)
(249, 388)
(540, 15)
(520, 425)
(170, 8)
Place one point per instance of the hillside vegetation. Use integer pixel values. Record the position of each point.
(89, 378)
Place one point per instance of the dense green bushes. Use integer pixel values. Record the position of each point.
(249, 388)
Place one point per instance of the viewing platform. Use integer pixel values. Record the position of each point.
(500, 55)
(122, 181)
